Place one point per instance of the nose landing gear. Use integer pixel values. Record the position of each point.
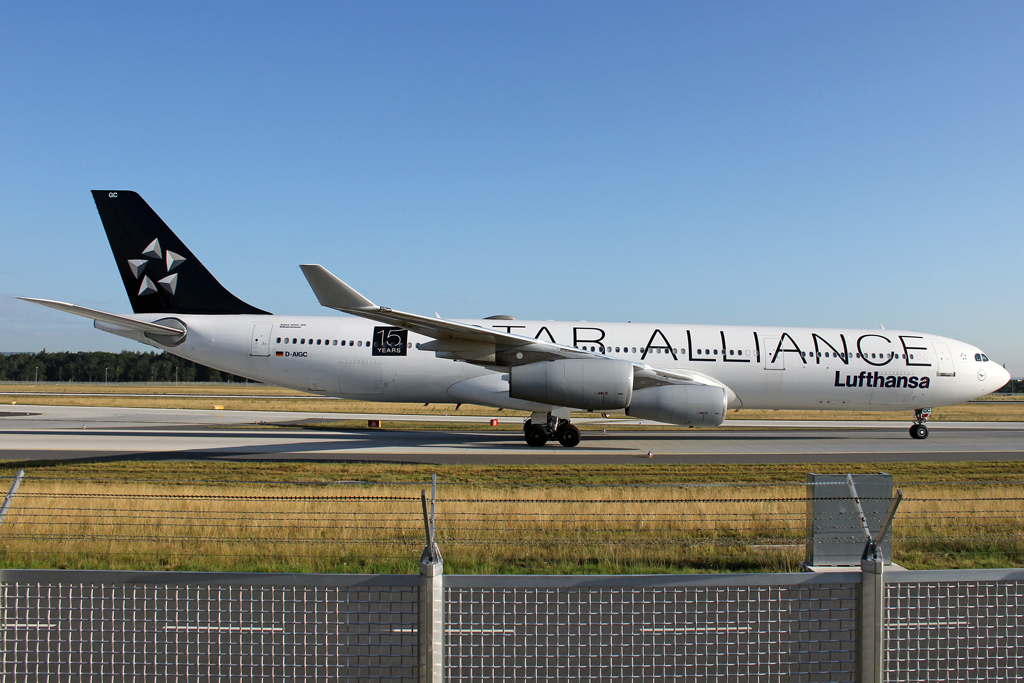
(538, 433)
(918, 430)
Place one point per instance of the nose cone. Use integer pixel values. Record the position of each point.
(1000, 377)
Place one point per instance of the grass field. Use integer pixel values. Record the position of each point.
(365, 517)
(322, 517)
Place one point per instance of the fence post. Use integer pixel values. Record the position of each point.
(431, 623)
(871, 631)
(10, 494)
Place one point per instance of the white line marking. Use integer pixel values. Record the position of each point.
(692, 629)
(226, 629)
(931, 624)
(28, 625)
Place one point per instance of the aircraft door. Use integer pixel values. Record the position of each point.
(261, 339)
(945, 360)
(771, 362)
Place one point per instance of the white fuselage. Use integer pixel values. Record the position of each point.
(764, 367)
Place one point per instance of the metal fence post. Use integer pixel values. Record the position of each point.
(431, 623)
(871, 631)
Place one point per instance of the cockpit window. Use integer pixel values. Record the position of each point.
(984, 357)
(980, 357)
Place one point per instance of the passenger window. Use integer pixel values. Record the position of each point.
(318, 342)
(716, 352)
(278, 340)
(359, 343)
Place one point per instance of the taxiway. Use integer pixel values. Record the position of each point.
(61, 432)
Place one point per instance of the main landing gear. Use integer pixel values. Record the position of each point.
(918, 430)
(543, 427)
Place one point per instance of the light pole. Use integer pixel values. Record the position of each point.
(37, 375)
(105, 375)
(175, 375)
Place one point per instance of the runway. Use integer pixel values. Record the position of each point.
(61, 432)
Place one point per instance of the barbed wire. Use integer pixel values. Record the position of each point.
(373, 518)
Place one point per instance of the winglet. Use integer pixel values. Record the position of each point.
(332, 292)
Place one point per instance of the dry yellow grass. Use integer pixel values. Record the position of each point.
(360, 527)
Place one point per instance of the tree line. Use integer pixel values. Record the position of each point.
(100, 366)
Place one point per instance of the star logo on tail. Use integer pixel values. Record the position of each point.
(138, 266)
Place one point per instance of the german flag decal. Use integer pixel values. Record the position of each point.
(280, 353)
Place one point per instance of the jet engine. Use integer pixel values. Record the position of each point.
(681, 404)
(588, 384)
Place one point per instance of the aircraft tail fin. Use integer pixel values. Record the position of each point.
(159, 272)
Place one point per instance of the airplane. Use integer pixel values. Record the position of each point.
(686, 375)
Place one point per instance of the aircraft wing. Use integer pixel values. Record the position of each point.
(111, 318)
(474, 344)
(333, 293)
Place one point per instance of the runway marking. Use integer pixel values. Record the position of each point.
(481, 631)
(25, 625)
(226, 629)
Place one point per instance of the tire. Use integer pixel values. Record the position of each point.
(919, 432)
(536, 436)
(526, 425)
(569, 436)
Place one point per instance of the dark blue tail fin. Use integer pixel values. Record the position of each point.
(159, 272)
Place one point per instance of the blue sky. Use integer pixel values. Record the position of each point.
(805, 164)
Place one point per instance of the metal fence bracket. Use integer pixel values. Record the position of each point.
(10, 494)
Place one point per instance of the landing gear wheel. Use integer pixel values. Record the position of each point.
(536, 435)
(568, 435)
(526, 425)
(918, 432)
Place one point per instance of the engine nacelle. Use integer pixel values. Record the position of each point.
(681, 404)
(588, 384)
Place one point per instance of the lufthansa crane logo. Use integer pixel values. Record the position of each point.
(138, 266)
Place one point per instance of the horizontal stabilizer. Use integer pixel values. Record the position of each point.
(121, 320)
